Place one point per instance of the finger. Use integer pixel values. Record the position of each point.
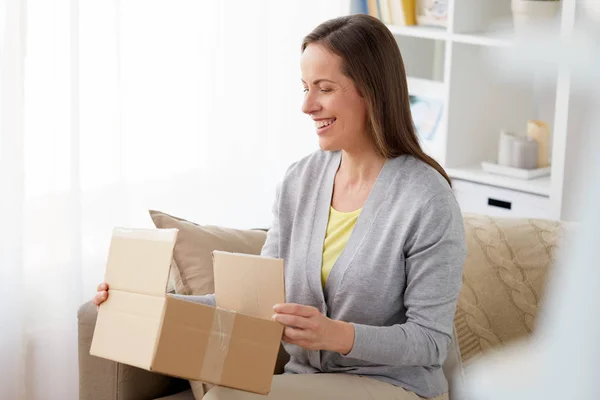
(294, 321)
(302, 343)
(297, 334)
(295, 309)
(100, 297)
(102, 286)
(290, 340)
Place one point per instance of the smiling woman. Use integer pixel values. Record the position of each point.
(371, 234)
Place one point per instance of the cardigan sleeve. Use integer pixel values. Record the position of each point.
(434, 255)
(271, 245)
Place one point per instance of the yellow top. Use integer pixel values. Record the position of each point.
(339, 228)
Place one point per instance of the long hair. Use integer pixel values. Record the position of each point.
(371, 58)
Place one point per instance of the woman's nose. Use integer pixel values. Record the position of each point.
(310, 104)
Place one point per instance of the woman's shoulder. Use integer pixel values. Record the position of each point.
(423, 194)
(420, 181)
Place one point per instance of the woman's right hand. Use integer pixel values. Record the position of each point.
(102, 294)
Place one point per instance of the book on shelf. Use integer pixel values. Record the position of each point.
(403, 12)
(384, 11)
(391, 12)
(373, 8)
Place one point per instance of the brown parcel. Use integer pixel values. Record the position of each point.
(139, 325)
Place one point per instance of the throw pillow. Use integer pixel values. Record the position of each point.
(192, 270)
(504, 279)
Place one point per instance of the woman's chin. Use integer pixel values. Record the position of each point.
(328, 145)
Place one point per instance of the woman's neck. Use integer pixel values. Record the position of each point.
(360, 167)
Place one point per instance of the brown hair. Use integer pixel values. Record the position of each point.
(372, 59)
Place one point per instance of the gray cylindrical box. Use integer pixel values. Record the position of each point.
(524, 153)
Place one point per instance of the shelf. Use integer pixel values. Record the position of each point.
(540, 186)
(424, 32)
(492, 39)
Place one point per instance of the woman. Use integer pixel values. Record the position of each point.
(369, 229)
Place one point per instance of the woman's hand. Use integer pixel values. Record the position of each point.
(102, 294)
(305, 326)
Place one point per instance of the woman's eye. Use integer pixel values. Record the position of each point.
(305, 90)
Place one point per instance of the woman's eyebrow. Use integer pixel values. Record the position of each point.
(319, 81)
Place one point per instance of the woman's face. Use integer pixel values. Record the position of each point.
(332, 101)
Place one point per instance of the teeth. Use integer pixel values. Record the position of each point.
(322, 124)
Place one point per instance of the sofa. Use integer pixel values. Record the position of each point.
(504, 277)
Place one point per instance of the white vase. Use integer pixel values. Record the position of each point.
(529, 13)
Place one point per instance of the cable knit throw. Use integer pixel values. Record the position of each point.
(504, 278)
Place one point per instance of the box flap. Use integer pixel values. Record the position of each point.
(127, 328)
(248, 284)
(139, 260)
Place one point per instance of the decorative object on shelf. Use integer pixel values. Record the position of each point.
(524, 153)
(517, 157)
(426, 114)
(540, 132)
(528, 13)
(517, 151)
(519, 173)
(505, 147)
(432, 13)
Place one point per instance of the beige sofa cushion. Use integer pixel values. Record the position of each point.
(504, 279)
(192, 272)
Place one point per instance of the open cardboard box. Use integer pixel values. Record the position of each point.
(234, 344)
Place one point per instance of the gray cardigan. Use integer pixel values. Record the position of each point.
(397, 280)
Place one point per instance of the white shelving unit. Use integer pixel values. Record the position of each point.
(420, 32)
(492, 39)
(453, 64)
(474, 173)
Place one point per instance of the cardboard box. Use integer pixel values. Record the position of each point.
(234, 344)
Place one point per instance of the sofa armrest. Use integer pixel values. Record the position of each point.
(101, 379)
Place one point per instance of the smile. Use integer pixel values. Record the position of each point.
(324, 122)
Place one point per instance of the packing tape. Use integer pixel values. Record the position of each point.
(218, 345)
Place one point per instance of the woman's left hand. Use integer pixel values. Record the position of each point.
(305, 326)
